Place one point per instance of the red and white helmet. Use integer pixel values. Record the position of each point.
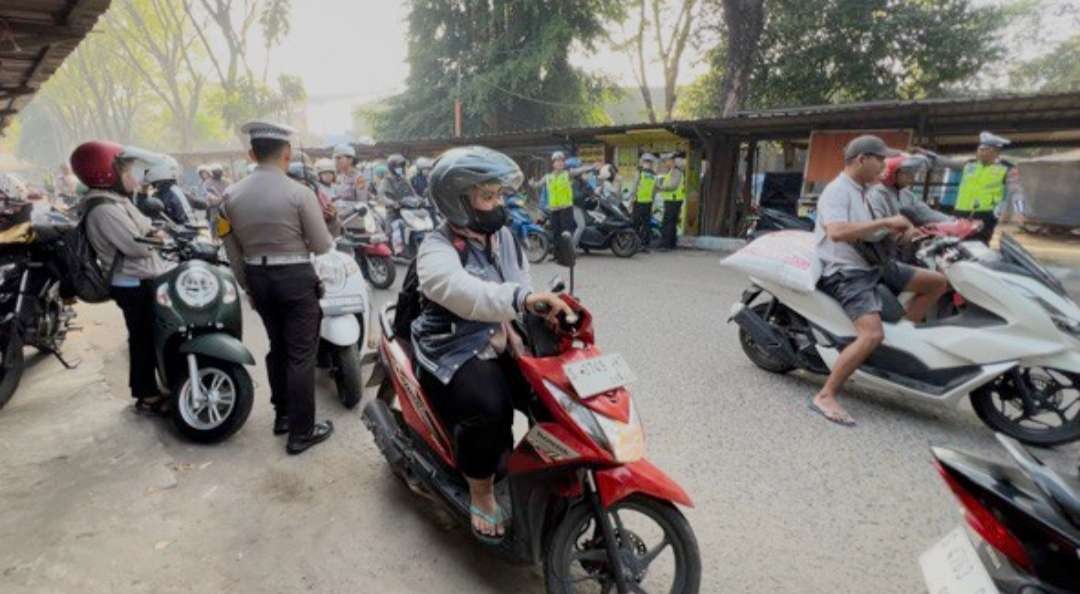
(94, 163)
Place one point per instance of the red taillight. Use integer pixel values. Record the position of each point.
(985, 523)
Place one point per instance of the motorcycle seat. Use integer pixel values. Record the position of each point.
(892, 310)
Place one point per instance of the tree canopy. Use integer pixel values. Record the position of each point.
(828, 51)
(506, 60)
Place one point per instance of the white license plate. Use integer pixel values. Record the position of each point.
(598, 375)
(952, 566)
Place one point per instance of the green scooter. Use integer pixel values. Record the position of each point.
(197, 337)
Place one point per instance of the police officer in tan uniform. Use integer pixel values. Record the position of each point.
(271, 226)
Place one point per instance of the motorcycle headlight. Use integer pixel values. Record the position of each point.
(197, 287)
(334, 271)
(625, 441)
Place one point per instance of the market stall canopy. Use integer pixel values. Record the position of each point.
(35, 38)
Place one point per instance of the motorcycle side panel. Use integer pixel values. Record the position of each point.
(414, 404)
(219, 346)
(340, 330)
(376, 249)
(618, 483)
(593, 238)
(549, 445)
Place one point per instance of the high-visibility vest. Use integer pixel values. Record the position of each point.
(676, 195)
(559, 191)
(646, 185)
(982, 187)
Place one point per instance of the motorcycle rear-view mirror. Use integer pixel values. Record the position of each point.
(564, 250)
(152, 207)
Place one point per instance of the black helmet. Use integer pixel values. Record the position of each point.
(461, 168)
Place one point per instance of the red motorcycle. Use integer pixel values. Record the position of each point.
(372, 246)
(584, 502)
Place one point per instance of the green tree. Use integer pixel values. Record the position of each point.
(828, 51)
(506, 60)
(1057, 71)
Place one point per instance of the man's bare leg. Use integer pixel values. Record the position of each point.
(869, 334)
(928, 287)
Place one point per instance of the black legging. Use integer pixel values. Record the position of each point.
(642, 221)
(669, 229)
(137, 303)
(477, 408)
(562, 220)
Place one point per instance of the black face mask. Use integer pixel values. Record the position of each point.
(488, 222)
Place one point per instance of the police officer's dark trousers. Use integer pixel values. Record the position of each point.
(642, 217)
(670, 226)
(562, 220)
(287, 299)
(989, 221)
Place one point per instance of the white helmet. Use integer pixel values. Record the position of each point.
(344, 149)
(165, 169)
(203, 169)
(557, 155)
(11, 187)
(424, 163)
(647, 158)
(216, 168)
(324, 165)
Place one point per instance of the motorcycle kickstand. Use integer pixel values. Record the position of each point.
(608, 531)
(67, 365)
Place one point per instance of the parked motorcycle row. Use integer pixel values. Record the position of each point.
(1007, 338)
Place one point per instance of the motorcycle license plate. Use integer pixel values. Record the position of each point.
(953, 566)
(598, 375)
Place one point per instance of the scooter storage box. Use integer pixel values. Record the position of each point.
(788, 258)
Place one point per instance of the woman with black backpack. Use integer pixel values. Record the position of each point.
(112, 222)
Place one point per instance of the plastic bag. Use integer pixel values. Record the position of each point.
(787, 258)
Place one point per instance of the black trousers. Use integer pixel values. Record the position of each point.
(642, 216)
(989, 221)
(287, 299)
(477, 408)
(670, 227)
(562, 220)
(137, 304)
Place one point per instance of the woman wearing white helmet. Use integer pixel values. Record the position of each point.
(162, 175)
(346, 174)
(325, 170)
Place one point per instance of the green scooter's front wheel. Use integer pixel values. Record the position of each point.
(221, 406)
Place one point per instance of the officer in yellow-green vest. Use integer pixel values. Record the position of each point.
(672, 191)
(560, 195)
(643, 190)
(989, 184)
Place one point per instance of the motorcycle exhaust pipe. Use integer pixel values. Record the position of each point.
(380, 421)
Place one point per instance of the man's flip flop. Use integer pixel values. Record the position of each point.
(839, 421)
(495, 520)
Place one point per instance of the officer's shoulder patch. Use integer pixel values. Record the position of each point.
(224, 225)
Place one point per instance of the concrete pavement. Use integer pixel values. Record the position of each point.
(96, 499)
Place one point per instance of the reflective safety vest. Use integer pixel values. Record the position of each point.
(646, 185)
(981, 188)
(676, 195)
(559, 191)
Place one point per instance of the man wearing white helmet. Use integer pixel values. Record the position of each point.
(162, 175)
(990, 184)
(327, 175)
(643, 192)
(344, 187)
(419, 181)
(560, 193)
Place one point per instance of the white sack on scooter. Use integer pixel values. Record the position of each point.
(788, 258)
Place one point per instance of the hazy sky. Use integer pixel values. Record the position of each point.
(356, 48)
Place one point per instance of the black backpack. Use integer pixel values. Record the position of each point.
(90, 283)
(410, 301)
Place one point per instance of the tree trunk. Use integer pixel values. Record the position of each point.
(745, 20)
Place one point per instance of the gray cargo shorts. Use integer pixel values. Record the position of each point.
(856, 290)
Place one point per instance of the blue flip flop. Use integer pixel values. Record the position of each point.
(495, 520)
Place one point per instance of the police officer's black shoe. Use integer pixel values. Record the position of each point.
(320, 432)
(281, 424)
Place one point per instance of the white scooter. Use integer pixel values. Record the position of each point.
(345, 324)
(1015, 346)
(408, 231)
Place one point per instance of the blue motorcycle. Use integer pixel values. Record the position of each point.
(533, 237)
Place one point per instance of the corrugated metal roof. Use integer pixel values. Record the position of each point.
(956, 115)
(35, 38)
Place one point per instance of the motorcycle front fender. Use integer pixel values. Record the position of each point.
(340, 330)
(618, 483)
(377, 249)
(219, 346)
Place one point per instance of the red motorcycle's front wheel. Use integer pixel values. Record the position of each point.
(657, 549)
(379, 270)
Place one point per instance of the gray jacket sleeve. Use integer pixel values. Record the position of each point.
(316, 234)
(445, 281)
(926, 213)
(113, 224)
